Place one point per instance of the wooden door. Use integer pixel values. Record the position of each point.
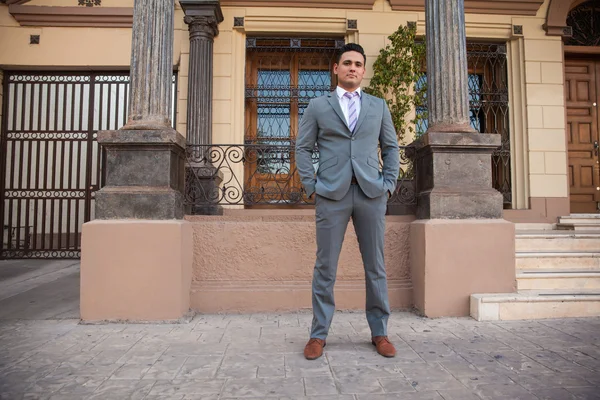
(279, 86)
(581, 86)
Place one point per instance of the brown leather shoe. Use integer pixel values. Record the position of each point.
(314, 349)
(384, 346)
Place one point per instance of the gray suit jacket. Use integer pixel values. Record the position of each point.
(342, 152)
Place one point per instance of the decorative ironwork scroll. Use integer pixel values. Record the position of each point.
(50, 161)
(585, 23)
(90, 3)
(276, 185)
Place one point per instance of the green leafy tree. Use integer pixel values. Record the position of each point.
(396, 72)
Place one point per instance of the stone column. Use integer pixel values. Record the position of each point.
(136, 261)
(460, 245)
(447, 99)
(145, 158)
(203, 30)
(151, 65)
(202, 178)
(453, 160)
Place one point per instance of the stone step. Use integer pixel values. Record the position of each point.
(530, 304)
(572, 217)
(557, 241)
(564, 260)
(558, 280)
(526, 226)
(578, 226)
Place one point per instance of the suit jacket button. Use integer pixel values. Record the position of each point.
(353, 157)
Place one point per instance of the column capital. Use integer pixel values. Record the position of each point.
(202, 26)
(203, 17)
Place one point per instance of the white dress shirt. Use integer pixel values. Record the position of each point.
(344, 102)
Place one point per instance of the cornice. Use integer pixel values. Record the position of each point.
(114, 17)
(343, 4)
(509, 7)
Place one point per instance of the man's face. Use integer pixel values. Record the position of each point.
(350, 70)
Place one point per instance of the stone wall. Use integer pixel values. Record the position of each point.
(253, 261)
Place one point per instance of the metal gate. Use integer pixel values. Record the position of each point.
(51, 164)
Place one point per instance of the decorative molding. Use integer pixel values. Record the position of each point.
(352, 24)
(556, 19)
(567, 31)
(510, 7)
(238, 22)
(488, 30)
(582, 50)
(518, 30)
(343, 4)
(9, 2)
(34, 39)
(277, 24)
(90, 3)
(582, 23)
(202, 26)
(113, 17)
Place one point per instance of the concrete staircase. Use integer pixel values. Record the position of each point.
(558, 274)
(580, 222)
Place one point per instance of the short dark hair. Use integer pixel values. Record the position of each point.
(350, 47)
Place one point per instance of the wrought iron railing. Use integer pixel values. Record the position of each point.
(488, 105)
(265, 174)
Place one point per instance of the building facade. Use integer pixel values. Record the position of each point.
(243, 72)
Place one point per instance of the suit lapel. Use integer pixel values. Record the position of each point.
(365, 106)
(333, 100)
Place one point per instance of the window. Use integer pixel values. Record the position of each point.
(282, 75)
(488, 104)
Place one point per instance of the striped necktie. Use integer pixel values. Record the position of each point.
(352, 112)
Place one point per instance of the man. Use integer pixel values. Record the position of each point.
(348, 125)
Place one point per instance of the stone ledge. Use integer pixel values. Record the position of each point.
(307, 215)
(141, 137)
(451, 141)
(261, 296)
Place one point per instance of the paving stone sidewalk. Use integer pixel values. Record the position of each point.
(260, 357)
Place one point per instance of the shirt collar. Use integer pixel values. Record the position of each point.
(340, 92)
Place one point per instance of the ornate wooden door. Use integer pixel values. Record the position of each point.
(282, 75)
(581, 87)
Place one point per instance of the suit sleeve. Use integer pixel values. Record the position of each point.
(305, 144)
(389, 150)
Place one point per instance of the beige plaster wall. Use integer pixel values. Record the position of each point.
(536, 70)
(535, 79)
(62, 47)
(545, 102)
(73, 48)
(244, 260)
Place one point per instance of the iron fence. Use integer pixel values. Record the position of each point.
(265, 174)
(50, 163)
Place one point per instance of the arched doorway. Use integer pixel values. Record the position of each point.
(582, 96)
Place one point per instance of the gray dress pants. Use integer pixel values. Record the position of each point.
(332, 217)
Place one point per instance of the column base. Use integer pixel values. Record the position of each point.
(136, 270)
(139, 203)
(144, 175)
(450, 203)
(453, 259)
